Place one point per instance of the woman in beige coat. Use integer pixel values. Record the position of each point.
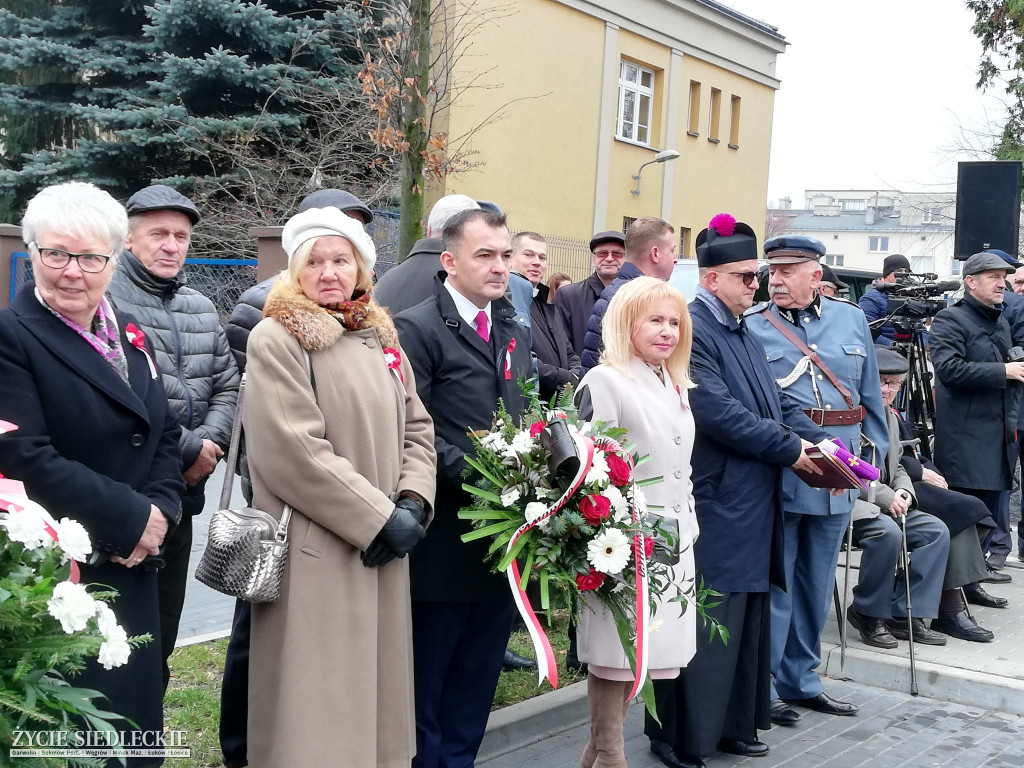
(641, 385)
(330, 680)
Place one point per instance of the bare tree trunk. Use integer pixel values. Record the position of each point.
(414, 126)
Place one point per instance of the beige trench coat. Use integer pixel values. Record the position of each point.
(659, 421)
(330, 670)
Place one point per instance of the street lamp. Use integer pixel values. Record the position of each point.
(661, 157)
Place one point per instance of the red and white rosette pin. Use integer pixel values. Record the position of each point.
(394, 360)
(138, 340)
(508, 359)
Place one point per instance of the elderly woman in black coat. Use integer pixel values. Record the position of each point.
(95, 439)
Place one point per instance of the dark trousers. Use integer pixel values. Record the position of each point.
(725, 690)
(171, 582)
(234, 691)
(458, 649)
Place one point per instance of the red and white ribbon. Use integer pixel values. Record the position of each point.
(546, 667)
(138, 340)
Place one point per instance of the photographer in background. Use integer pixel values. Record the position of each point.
(978, 373)
(875, 302)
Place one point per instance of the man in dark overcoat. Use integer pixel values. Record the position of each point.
(467, 351)
(557, 363)
(747, 431)
(977, 389)
(575, 301)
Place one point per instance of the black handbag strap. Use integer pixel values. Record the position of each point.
(231, 464)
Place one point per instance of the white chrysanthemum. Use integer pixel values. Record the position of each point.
(27, 526)
(493, 440)
(72, 606)
(608, 552)
(510, 497)
(73, 539)
(522, 443)
(640, 502)
(534, 511)
(620, 507)
(598, 469)
(114, 650)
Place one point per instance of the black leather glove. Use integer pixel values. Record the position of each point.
(399, 535)
(409, 503)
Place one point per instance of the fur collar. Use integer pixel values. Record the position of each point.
(315, 327)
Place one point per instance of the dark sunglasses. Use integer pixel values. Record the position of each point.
(748, 278)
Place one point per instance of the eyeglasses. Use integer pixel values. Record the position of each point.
(610, 254)
(58, 259)
(748, 278)
(892, 384)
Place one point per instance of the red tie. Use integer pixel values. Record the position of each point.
(481, 325)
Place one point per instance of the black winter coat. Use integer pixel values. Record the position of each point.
(192, 354)
(976, 406)
(557, 363)
(411, 282)
(575, 303)
(91, 447)
(244, 317)
(593, 344)
(460, 378)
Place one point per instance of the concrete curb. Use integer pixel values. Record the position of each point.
(969, 687)
(534, 720)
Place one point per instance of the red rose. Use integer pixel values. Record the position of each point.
(595, 508)
(586, 582)
(618, 470)
(648, 546)
(536, 428)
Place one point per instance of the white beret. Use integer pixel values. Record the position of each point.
(327, 222)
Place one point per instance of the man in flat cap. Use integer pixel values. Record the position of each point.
(881, 516)
(194, 361)
(875, 302)
(748, 430)
(977, 394)
(820, 352)
(575, 301)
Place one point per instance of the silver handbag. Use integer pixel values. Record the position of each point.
(246, 548)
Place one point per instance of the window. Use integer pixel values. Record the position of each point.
(956, 267)
(636, 97)
(684, 241)
(716, 115)
(734, 124)
(878, 244)
(626, 221)
(921, 264)
(853, 205)
(693, 125)
(932, 215)
(834, 259)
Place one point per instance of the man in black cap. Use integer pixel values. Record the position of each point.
(194, 361)
(742, 444)
(875, 302)
(830, 285)
(977, 395)
(576, 300)
(820, 352)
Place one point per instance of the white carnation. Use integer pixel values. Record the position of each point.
(27, 526)
(608, 552)
(114, 650)
(534, 511)
(494, 441)
(73, 539)
(72, 606)
(510, 497)
(105, 619)
(598, 472)
(521, 443)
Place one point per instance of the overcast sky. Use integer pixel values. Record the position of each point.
(874, 94)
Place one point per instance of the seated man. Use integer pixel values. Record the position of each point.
(880, 599)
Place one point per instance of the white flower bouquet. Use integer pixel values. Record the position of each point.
(49, 623)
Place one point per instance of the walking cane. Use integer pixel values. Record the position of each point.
(846, 596)
(910, 614)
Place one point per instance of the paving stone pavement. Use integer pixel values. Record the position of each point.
(893, 729)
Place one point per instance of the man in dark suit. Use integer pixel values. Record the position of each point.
(467, 351)
(407, 284)
(557, 363)
(576, 300)
(742, 443)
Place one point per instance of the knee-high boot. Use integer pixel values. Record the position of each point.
(608, 706)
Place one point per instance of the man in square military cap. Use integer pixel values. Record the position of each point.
(820, 352)
(748, 430)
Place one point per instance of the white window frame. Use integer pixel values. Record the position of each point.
(835, 259)
(932, 215)
(878, 244)
(633, 120)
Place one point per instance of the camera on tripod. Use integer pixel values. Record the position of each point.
(915, 297)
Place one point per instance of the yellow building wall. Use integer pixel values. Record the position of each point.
(538, 162)
(540, 67)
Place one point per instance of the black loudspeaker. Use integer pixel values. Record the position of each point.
(987, 207)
